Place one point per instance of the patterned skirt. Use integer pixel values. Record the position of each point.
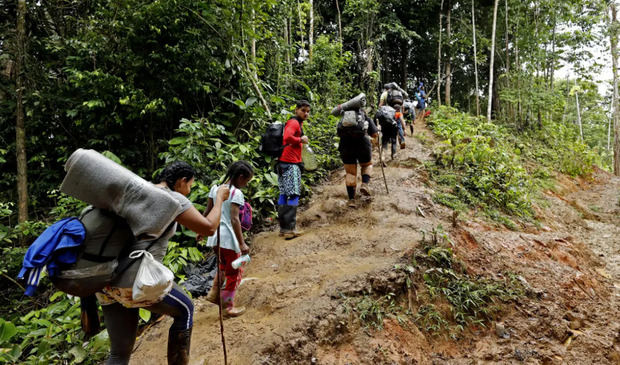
(289, 179)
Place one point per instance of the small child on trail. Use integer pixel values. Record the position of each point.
(232, 243)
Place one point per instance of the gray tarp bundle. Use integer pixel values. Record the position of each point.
(199, 278)
(99, 181)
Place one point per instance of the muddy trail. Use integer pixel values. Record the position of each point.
(295, 290)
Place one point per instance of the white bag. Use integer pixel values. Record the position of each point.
(153, 279)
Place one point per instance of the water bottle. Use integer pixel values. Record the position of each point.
(241, 261)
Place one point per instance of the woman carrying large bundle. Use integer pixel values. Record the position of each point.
(121, 311)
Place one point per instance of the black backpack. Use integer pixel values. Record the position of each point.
(352, 124)
(386, 116)
(394, 97)
(271, 140)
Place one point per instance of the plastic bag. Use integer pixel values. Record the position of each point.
(153, 279)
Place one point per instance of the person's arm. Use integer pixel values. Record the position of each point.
(236, 224)
(290, 129)
(205, 226)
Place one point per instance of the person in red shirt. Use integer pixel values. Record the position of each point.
(289, 171)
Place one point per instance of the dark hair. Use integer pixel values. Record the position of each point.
(175, 171)
(239, 168)
(302, 103)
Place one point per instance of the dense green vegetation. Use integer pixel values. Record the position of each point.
(152, 82)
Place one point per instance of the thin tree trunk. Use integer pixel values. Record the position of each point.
(288, 35)
(616, 115)
(439, 59)
(567, 100)
(20, 129)
(490, 101)
(473, 27)
(448, 69)
(518, 66)
(301, 28)
(578, 113)
(609, 127)
(311, 30)
(506, 39)
(552, 67)
(339, 24)
(253, 43)
(404, 60)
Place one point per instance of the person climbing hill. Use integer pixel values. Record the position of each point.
(232, 243)
(289, 170)
(355, 130)
(393, 96)
(120, 311)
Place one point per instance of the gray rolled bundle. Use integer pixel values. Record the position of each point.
(353, 104)
(99, 181)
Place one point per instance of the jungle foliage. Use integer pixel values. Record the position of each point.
(156, 81)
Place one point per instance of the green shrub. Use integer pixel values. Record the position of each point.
(476, 167)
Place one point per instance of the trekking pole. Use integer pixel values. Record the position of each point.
(381, 161)
(219, 284)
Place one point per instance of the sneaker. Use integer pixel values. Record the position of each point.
(233, 312)
(365, 189)
(351, 203)
(293, 234)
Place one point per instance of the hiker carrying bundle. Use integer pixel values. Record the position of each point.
(143, 217)
(354, 130)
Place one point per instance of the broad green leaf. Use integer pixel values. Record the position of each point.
(145, 315)
(7, 330)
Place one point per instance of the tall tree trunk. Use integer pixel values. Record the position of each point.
(552, 66)
(301, 27)
(578, 113)
(611, 120)
(439, 58)
(616, 113)
(518, 67)
(490, 101)
(506, 38)
(20, 129)
(473, 27)
(287, 32)
(339, 24)
(404, 61)
(311, 30)
(253, 42)
(448, 69)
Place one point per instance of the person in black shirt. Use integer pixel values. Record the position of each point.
(355, 147)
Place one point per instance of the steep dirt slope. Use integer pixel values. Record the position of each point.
(294, 288)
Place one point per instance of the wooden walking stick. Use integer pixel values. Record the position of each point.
(381, 161)
(219, 284)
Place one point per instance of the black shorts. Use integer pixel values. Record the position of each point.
(355, 150)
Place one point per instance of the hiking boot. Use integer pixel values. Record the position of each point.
(365, 189)
(178, 346)
(352, 204)
(402, 145)
(233, 312)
